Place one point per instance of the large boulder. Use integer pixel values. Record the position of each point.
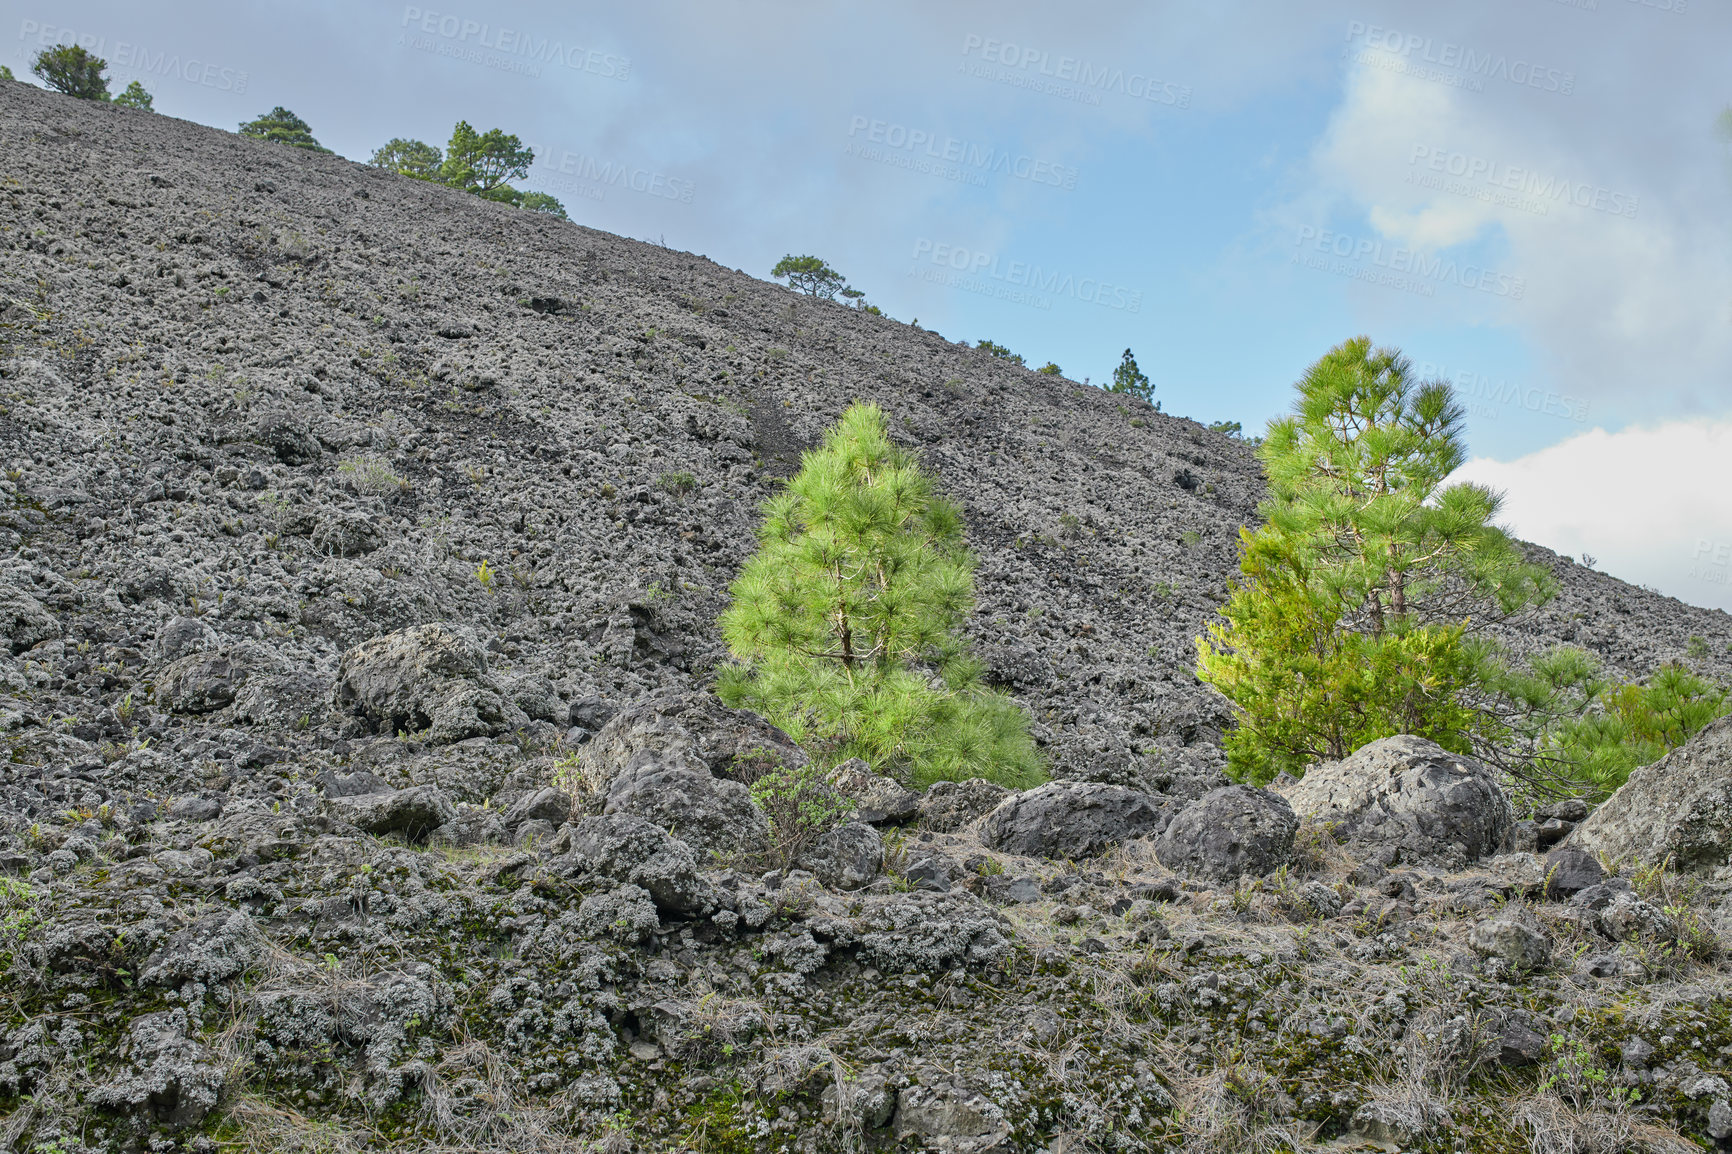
(845, 858)
(949, 805)
(427, 677)
(628, 849)
(1229, 832)
(681, 760)
(24, 621)
(413, 812)
(198, 683)
(1677, 809)
(1072, 819)
(1407, 799)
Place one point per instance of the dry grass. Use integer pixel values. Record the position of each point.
(1551, 1126)
(1233, 1109)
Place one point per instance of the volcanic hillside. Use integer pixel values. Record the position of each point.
(304, 401)
(361, 549)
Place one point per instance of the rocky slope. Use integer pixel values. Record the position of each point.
(279, 875)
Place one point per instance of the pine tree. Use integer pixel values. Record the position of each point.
(484, 162)
(845, 620)
(135, 96)
(70, 69)
(281, 126)
(1356, 615)
(1129, 379)
(412, 158)
(810, 275)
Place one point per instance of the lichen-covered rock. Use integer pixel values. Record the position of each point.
(213, 949)
(846, 857)
(712, 814)
(472, 826)
(950, 805)
(428, 677)
(340, 533)
(295, 699)
(1407, 799)
(172, 1078)
(1628, 918)
(1072, 819)
(549, 804)
(184, 635)
(627, 848)
(414, 812)
(1677, 810)
(921, 931)
(692, 731)
(878, 800)
(24, 621)
(669, 761)
(949, 1117)
(1515, 938)
(1230, 832)
(198, 683)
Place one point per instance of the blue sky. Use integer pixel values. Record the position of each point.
(1527, 196)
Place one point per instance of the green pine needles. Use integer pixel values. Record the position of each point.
(845, 621)
(1364, 594)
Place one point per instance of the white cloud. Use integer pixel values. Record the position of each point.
(1625, 252)
(1650, 504)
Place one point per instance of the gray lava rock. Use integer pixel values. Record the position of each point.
(213, 949)
(1408, 795)
(24, 621)
(173, 1078)
(690, 730)
(1069, 819)
(1628, 918)
(184, 635)
(1513, 937)
(1569, 871)
(1679, 808)
(949, 805)
(669, 760)
(1600, 896)
(1229, 832)
(472, 826)
(847, 857)
(340, 533)
(627, 848)
(429, 677)
(413, 812)
(357, 784)
(878, 800)
(195, 808)
(550, 805)
(199, 683)
(290, 699)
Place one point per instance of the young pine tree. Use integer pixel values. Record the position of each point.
(845, 621)
(1361, 594)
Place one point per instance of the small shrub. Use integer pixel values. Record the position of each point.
(801, 805)
(678, 484)
(371, 475)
